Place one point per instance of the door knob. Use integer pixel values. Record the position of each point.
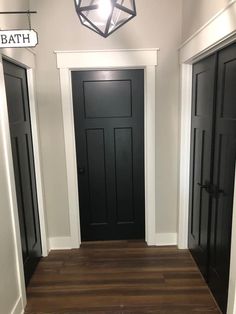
(206, 186)
(213, 190)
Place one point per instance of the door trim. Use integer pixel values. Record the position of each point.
(26, 59)
(113, 59)
(219, 32)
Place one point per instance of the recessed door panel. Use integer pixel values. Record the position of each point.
(203, 93)
(124, 175)
(102, 99)
(228, 95)
(96, 176)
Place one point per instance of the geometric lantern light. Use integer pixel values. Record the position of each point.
(105, 16)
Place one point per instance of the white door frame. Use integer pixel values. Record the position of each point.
(214, 35)
(113, 59)
(25, 58)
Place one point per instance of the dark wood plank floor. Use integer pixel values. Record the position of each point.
(119, 277)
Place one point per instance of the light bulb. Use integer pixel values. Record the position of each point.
(104, 8)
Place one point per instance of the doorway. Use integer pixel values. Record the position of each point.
(213, 155)
(145, 59)
(109, 132)
(23, 161)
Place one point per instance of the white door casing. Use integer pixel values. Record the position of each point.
(113, 59)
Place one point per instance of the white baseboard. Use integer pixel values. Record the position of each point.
(18, 307)
(60, 243)
(63, 243)
(163, 239)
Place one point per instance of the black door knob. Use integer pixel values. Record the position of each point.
(204, 186)
(213, 190)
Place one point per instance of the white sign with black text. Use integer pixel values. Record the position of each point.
(18, 38)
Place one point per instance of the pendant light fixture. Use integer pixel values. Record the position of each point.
(105, 16)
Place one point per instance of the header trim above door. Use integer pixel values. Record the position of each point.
(113, 59)
(92, 59)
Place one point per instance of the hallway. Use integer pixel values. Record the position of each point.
(119, 277)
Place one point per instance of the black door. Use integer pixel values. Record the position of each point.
(109, 130)
(23, 160)
(213, 156)
(223, 176)
(201, 154)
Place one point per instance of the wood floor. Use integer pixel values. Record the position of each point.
(119, 277)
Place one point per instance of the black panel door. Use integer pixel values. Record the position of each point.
(201, 154)
(23, 160)
(223, 176)
(213, 156)
(109, 130)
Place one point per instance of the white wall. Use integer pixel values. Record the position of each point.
(158, 24)
(13, 21)
(197, 13)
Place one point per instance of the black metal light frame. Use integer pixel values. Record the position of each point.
(114, 4)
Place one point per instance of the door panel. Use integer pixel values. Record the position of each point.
(124, 175)
(223, 176)
(109, 130)
(96, 176)
(97, 93)
(201, 154)
(23, 160)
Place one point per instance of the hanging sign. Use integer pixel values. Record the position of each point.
(18, 38)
